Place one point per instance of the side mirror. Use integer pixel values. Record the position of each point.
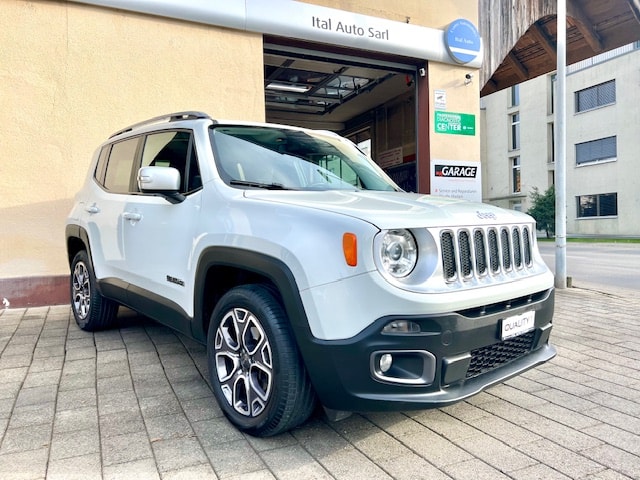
(162, 180)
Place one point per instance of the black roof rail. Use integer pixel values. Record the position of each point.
(169, 117)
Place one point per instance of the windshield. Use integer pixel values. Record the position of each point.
(286, 159)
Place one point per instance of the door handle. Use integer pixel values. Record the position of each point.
(132, 217)
(92, 209)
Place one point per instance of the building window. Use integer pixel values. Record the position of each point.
(515, 174)
(596, 96)
(552, 93)
(601, 205)
(514, 98)
(594, 151)
(551, 143)
(515, 131)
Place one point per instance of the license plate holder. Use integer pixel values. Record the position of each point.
(517, 325)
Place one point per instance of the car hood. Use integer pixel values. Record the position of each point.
(395, 209)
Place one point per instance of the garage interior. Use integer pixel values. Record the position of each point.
(370, 101)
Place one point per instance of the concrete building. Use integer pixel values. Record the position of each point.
(402, 78)
(602, 143)
(73, 72)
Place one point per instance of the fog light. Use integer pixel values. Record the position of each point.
(385, 362)
(401, 326)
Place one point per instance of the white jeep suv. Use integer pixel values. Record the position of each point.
(309, 275)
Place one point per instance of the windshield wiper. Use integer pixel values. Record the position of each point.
(266, 186)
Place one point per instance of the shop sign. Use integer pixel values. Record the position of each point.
(440, 100)
(463, 41)
(456, 179)
(455, 123)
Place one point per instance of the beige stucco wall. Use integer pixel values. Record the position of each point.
(70, 75)
(461, 98)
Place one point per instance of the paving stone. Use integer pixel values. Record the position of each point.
(117, 402)
(235, 458)
(120, 383)
(200, 472)
(177, 453)
(41, 379)
(144, 469)
(168, 427)
(475, 469)
(120, 423)
(215, 431)
(23, 439)
(495, 453)
(159, 405)
(30, 415)
(83, 467)
(26, 465)
(203, 408)
(81, 397)
(37, 395)
(74, 443)
(294, 462)
(125, 448)
(82, 418)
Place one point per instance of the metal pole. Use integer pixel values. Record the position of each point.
(561, 148)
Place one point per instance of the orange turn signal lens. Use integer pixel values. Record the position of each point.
(350, 248)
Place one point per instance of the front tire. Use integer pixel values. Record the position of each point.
(255, 368)
(91, 310)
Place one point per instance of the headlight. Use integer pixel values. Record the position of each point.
(398, 252)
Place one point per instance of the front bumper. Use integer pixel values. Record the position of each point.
(461, 352)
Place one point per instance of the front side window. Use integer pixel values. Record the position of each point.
(173, 149)
(596, 96)
(288, 159)
(603, 149)
(601, 205)
(117, 178)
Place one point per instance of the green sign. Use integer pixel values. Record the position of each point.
(455, 123)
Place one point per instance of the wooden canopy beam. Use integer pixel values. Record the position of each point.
(585, 26)
(520, 69)
(543, 40)
(634, 5)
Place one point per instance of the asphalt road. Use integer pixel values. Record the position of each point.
(606, 267)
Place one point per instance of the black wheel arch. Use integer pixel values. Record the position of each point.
(77, 239)
(222, 268)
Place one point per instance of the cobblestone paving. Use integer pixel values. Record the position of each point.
(132, 403)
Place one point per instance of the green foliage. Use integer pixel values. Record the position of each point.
(544, 209)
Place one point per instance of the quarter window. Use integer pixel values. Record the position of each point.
(600, 205)
(596, 150)
(596, 96)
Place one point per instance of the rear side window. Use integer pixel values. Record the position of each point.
(118, 174)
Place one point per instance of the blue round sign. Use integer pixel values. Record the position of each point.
(463, 41)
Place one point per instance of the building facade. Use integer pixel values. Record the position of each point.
(73, 72)
(603, 120)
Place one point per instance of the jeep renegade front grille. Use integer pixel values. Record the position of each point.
(469, 253)
(488, 358)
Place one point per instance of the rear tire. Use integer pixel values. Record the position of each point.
(255, 368)
(91, 310)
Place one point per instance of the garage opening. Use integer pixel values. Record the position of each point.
(370, 101)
